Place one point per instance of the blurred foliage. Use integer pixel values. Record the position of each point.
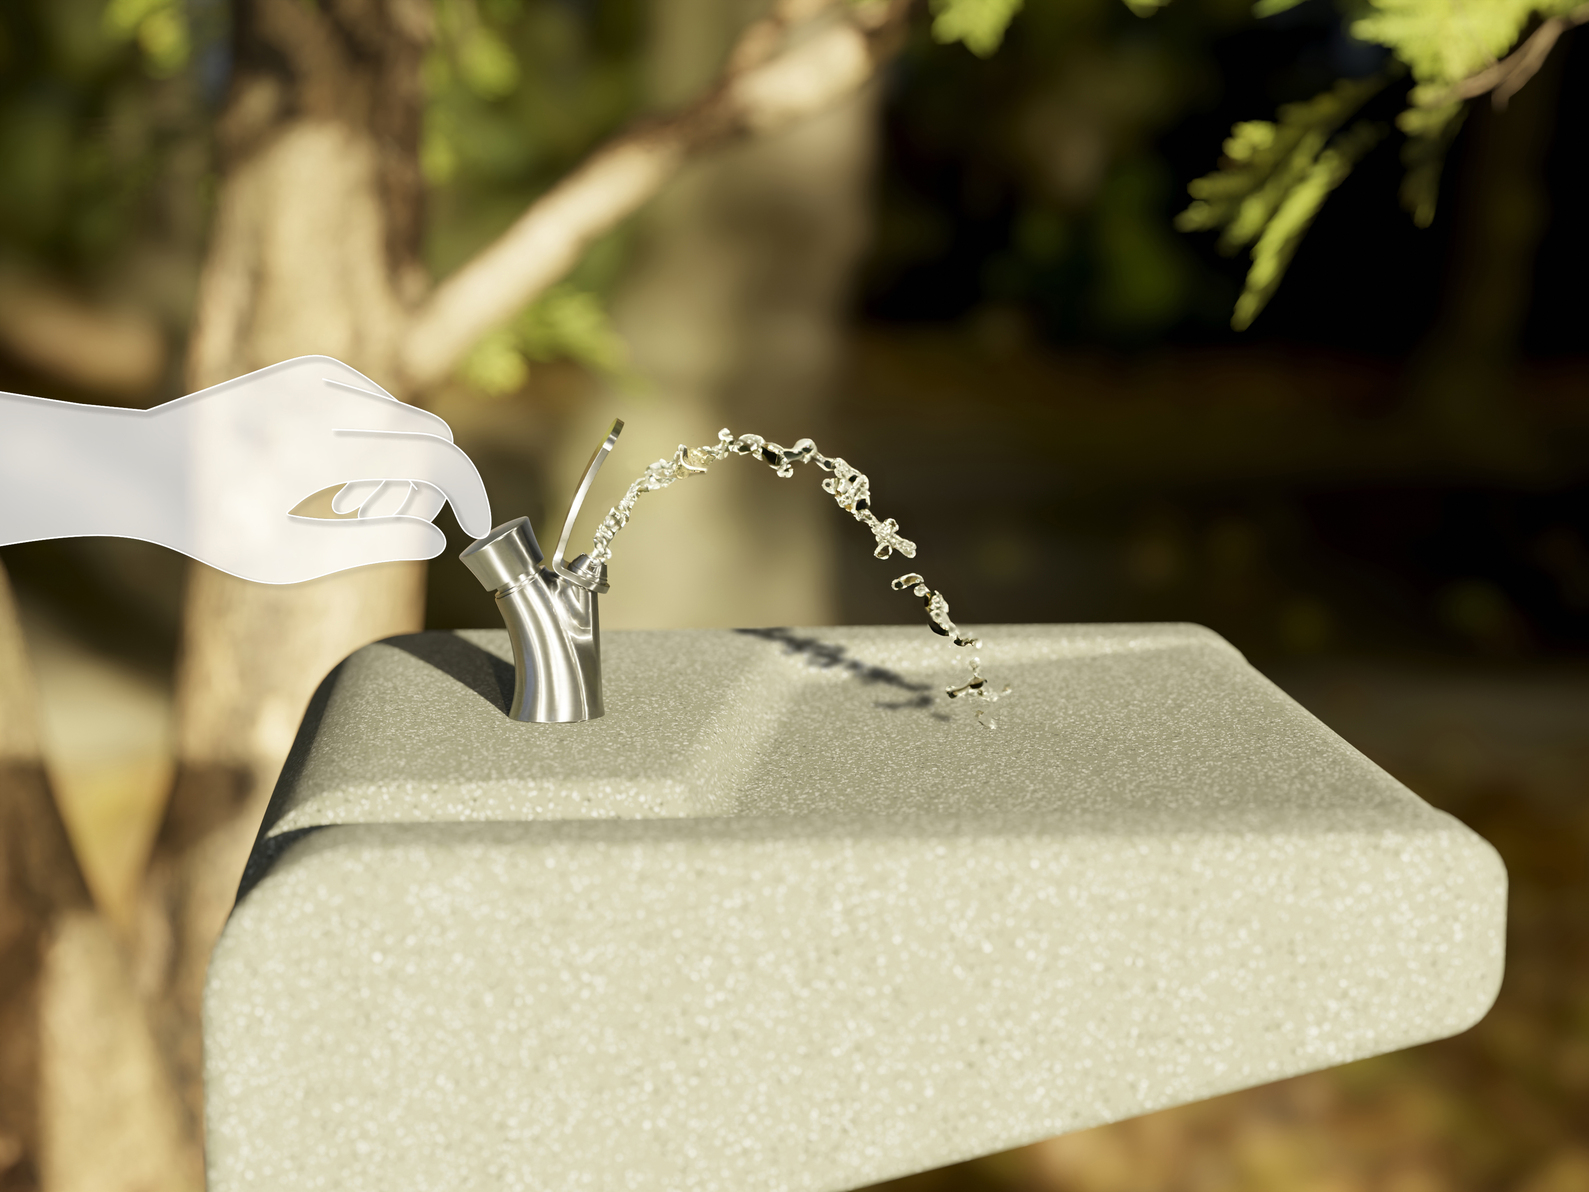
(105, 116)
(1030, 191)
(1442, 47)
(565, 323)
(520, 91)
(1030, 187)
(103, 143)
(980, 24)
(1275, 177)
(1444, 43)
(160, 28)
(1273, 180)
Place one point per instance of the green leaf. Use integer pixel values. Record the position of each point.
(160, 28)
(438, 156)
(1273, 179)
(487, 65)
(163, 38)
(1443, 41)
(1430, 132)
(565, 323)
(572, 324)
(1285, 229)
(1264, 160)
(1268, 8)
(121, 18)
(495, 365)
(980, 24)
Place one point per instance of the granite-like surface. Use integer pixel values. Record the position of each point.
(787, 918)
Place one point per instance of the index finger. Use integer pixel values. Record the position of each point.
(361, 454)
(382, 411)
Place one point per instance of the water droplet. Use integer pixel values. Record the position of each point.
(976, 687)
(849, 488)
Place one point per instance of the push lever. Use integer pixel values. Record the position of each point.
(592, 580)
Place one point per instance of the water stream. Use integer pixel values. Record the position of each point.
(849, 488)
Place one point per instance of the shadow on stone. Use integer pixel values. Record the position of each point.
(481, 671)
(264, 857)
(298, 755)
(831, 656)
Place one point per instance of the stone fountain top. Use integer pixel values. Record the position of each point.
(786, 918)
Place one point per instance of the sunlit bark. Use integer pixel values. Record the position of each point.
(316, 238)
(86, 1101)
(315, 250)
(44, 328)
(759, 93)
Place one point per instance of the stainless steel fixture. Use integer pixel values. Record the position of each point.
(550, 612)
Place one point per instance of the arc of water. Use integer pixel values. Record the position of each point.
(848, 486)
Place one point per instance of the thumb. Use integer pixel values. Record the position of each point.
(323, 546)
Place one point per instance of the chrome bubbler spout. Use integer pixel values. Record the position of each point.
(550, 612)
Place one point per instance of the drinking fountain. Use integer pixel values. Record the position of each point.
(753, 910)
(550, 612)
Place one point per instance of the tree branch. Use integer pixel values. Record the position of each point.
(114, 354)
(1506, 78)
(803, 58)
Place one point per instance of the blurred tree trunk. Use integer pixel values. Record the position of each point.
(733, 309)
(86, 1103)
(39, 883)
(1464, 385)
(314, 250)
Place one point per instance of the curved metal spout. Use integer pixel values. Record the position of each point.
(552, 623)
(550, 613)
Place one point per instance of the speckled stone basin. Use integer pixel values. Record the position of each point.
(787, 918)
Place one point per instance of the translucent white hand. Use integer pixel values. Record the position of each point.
(216, 474)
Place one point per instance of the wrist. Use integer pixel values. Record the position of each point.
(70, 470)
